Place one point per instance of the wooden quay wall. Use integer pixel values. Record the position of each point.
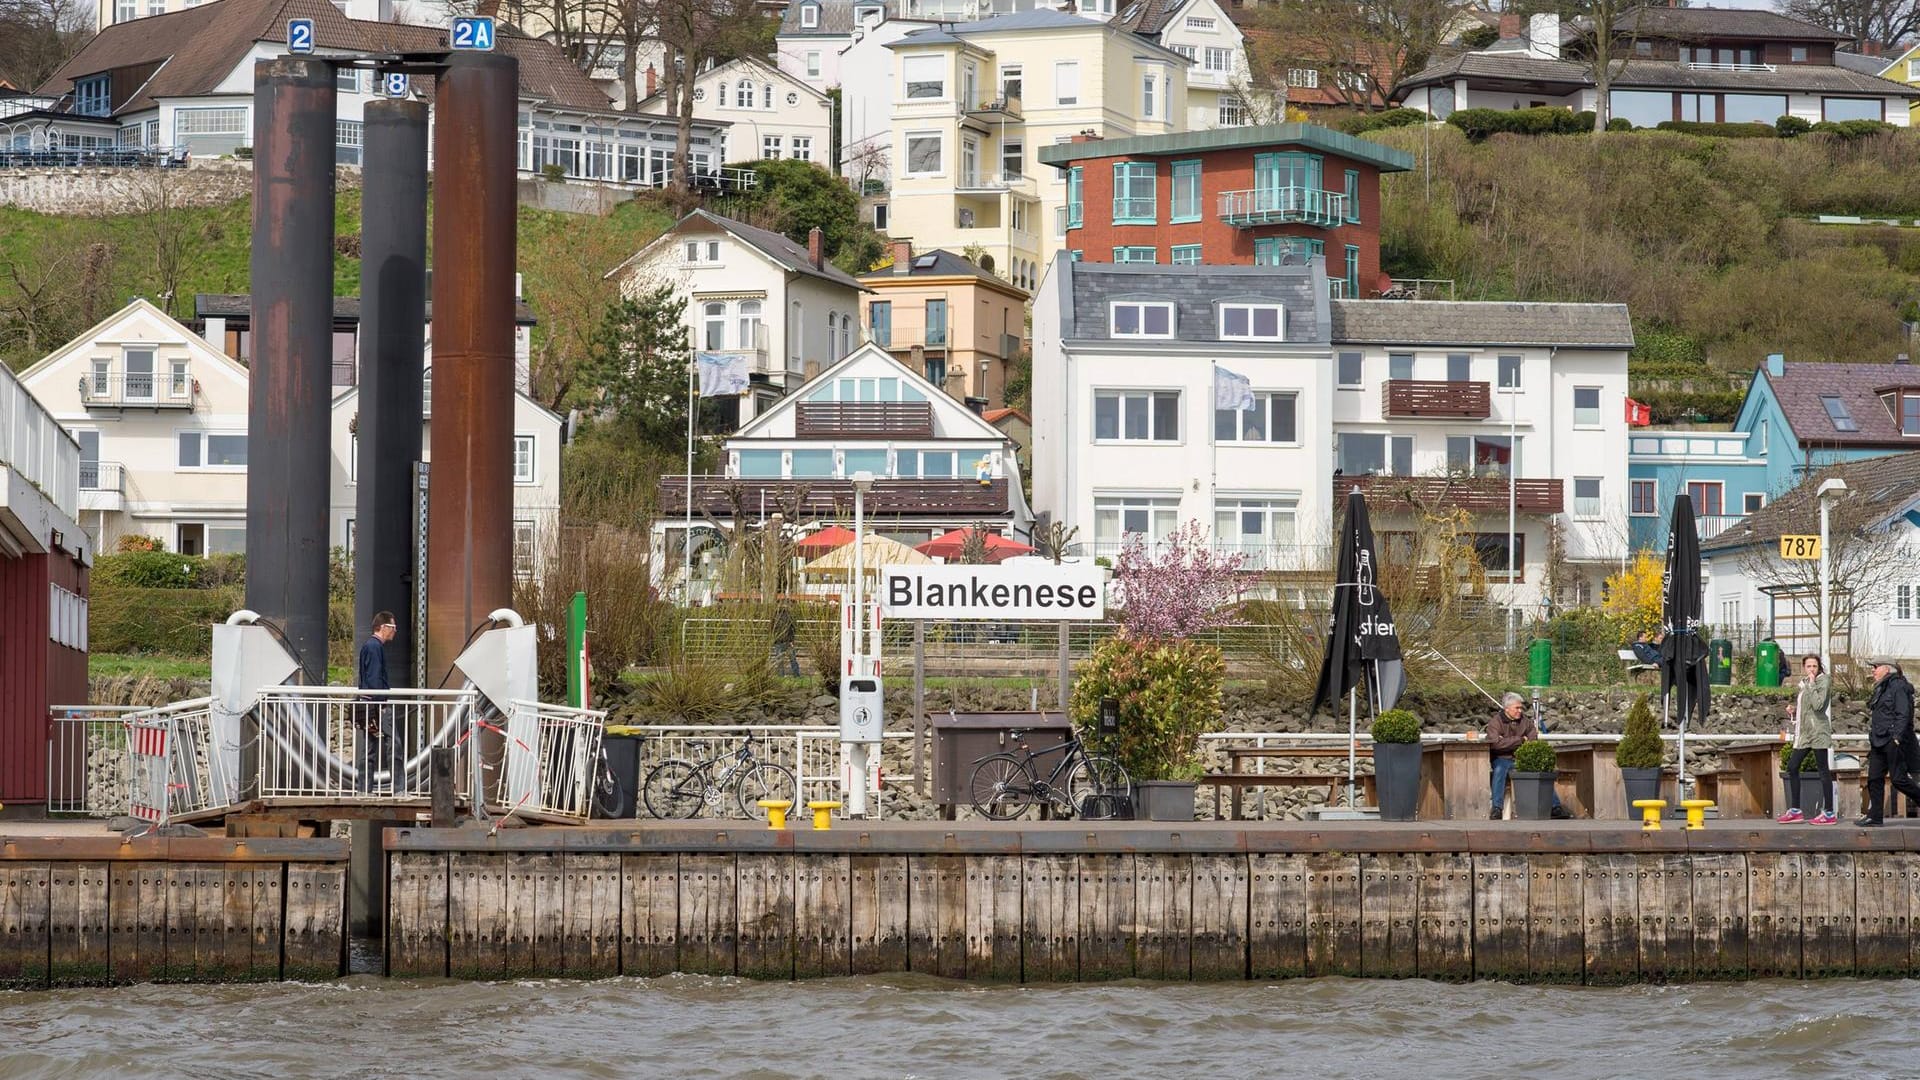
(1578, 902)
(99, 910)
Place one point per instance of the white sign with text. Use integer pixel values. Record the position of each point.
(1025, 590)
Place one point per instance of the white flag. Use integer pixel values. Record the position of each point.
(1231, 391)
(722, 374)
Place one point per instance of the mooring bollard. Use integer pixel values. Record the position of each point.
(1697, 812)
(776, 812)
(823, 814)
(1650, 811)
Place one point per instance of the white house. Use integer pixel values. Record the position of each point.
(814, 32)
(767, 113)
(1412, 402)
(753, 292)
(1875, 557)
(866, 72)
(1218, 82)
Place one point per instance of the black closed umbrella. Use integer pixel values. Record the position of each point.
(1683, 668)
(1362, 646)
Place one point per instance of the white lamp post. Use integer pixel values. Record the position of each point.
(1829, 491)
(862, 664)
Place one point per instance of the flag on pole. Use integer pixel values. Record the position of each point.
(1639, 413)
(722, 374)
(1231, 391)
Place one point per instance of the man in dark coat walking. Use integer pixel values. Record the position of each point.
(372, 716)
(1890, 730)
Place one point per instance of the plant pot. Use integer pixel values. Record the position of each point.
(1803, 792)
(1163, 800)
(1396, 769)
(1533, 795)
(1641, 784)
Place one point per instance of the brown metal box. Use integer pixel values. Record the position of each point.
(960, 739)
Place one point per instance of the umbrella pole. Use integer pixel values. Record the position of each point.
(1353, 722)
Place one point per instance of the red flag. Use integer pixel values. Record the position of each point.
(1639, 414)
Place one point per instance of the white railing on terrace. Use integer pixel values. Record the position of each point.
(34, 445)
(1705, 65)
(1712, 525)
(313, 742)
(158, 390)
(996, 182)
(1276, 205)
(1254, 556)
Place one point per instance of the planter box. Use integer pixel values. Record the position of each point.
(1533, 795)
(1804, 791)
(1163, 800)
(1641, 784)
(1396, 768)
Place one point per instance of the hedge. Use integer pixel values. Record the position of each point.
(1724, 131)
(1478, 124)
(1390, 118)
(179, 622)
(164, 570)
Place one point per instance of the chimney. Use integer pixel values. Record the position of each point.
(1777, 365)
(1089, 135)
(814, 244)
(902, 255)
(978, 405)
(1509, 25)
(653, 80)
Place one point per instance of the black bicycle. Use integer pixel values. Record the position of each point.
(1005, 785)
(678, 788)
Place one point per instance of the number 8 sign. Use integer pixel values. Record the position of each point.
(395, 84)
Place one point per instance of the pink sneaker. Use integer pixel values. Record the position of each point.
(1825, 817)
(1791, 817)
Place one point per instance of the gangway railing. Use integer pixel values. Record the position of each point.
(548, 769)
(89, 765)
(314, 742)
(171, 759)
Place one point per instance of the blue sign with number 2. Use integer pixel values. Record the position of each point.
(473, 32)
(299, 35)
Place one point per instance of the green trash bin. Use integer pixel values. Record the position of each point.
(1540, 663)
(1766, 664)
(1720, 662)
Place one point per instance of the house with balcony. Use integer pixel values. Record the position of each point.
(783, 308)
(974, 103)
(1512, 415)
(766, 113)
(938, 466)
(1246, 196)
(814, 34)
(1203, 31)
(1724, 473)
(946, 318)
(1725, 65)
(45, 558)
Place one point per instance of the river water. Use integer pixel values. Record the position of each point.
(911, 1026)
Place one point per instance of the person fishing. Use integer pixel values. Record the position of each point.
(1509, 728)
(1812, 736)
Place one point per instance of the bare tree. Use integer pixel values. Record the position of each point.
(698, 34)
(866, 161)
(1888, 23)
(1605, 33)
(1867, 558)
(1361, 49)
(157, 201)
(37, 301)
(37, 36)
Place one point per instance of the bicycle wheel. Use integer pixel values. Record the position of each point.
(606, 791)
(675, 789)
(1002, 787)
(1100, 778)
(765, 780)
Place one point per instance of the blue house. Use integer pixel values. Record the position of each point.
(1795, 419)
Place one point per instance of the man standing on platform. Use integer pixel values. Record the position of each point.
(373, 715)
(1890, 733)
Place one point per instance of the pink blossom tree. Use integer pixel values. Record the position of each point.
(1176, 588)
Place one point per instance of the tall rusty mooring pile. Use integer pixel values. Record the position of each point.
(470, 495)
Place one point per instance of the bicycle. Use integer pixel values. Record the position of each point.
(678, 788)
(1004, 786)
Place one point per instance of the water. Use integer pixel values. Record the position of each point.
(911, 1026)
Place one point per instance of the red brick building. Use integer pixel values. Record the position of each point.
(1246, 195)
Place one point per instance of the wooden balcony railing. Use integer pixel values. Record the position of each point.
(1418, 398)
(722, 496)
(864, 420)
(1477, 494)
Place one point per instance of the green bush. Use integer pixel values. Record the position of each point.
(1478, 124)
(1788, 127)
(169, 622)
(1807, 764)
(1534, 755)
(1849, 130)
(1640, 746)
(149, 570)
(1396, 726)
(1361, 123)
(1725, 131)
(1169, 694)
(1582, 122)
(1619, 123)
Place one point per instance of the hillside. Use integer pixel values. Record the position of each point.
(1707, 239)
(60, 275)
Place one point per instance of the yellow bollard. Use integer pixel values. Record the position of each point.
(1697, 812)
(823, 814)
(1650, 811)
(776, 812)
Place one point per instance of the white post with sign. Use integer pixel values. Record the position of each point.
(862, 702)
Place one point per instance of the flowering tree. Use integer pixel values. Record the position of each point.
(1177, 588)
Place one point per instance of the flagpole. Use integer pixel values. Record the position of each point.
(1353, 723)
(688, 543)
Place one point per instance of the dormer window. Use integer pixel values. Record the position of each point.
(810, 15)
(1142, 319)
(1252, 322)
(1905, 407)
(92, 96)
(864, 15)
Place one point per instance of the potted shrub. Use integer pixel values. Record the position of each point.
(1533, 776)
(1640, 753)
(1801, 791)
(1396, 763)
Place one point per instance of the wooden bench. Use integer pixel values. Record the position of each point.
(1638, 669)
(1237, 779)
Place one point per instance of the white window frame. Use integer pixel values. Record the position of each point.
(201, 437)
(1280, 320)
(1065, 72)
(1747, 505)
(1519, 373)
(1122, 395)
(1360, 380)
(1264, 411)
(529, 475)
(526, 548)
(813, 64)
(1633, 491)
(1196, 22)
(1600, 402)
(1154, 504)
(907, 66)
(1223, 55)
(1113, 318)
(809, 16)
(906, 155)
(1303, 78)
(1598, 508)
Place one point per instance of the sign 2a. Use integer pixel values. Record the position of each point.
(472, 33)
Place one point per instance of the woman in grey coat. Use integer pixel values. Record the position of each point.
(1813, 734)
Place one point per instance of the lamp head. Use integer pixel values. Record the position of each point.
(863, 481)
(1832, 488)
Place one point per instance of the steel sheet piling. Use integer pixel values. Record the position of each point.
(393, 308)
(470, 496)
(292, 356)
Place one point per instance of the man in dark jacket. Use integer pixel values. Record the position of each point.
(372, 716)
(1505, 733)
(1890, 729)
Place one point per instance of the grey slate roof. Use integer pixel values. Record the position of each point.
(836, 17)
(776, 247)
(1711, 22)
(1449, 322)
(1882, 487)
(1865, 65)
(1194, 290)
(1326, 140)
(1145, 17)
(1663, 74)
(1802, 386)
(945, 264)
(346, 309)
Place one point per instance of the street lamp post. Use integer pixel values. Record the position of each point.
(1830, 490)
(860, 664)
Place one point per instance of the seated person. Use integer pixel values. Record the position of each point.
(1647, 648)
(1505, 733)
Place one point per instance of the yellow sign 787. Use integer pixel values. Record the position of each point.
(1800, 547)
